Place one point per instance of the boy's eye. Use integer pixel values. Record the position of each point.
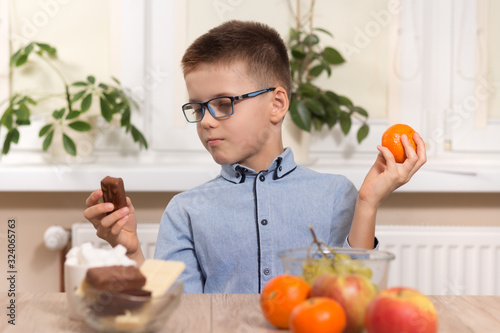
(195, 110)
(222, 105)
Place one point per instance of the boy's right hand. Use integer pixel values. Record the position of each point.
(119, 227)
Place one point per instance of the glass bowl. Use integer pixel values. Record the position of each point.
(109, 312)
(371, 263)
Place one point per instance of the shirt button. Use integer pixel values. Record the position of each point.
(267, 271)
(280, 168)
(263, 222)
(237, 175)
(262, 178)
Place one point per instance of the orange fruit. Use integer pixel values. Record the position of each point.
(318, 315)
(280, 295)
(392, 140)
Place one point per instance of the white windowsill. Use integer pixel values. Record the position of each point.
(175, 172)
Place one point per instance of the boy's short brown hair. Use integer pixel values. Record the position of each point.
(259, 46)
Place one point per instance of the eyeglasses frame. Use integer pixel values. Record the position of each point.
(205, 105)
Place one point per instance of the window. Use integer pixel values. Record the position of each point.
(473, 119)
(365, 38)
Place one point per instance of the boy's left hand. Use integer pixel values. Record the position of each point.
(386, 175)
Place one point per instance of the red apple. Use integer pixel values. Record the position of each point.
(353, 291)
(401, 310)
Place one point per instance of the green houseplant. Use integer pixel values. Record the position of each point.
(312, 107)
(76, 98)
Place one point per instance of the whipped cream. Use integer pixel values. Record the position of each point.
(90, 256)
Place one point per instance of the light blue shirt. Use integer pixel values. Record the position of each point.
(229, 230)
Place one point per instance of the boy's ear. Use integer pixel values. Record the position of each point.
(280, 104)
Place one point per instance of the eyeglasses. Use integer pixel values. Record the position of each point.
(219, 107)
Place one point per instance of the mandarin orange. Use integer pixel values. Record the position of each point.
(318, 315)
(280, 295)
(392, 140)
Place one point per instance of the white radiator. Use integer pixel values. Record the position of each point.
(147, 232)
(443, 260)
(437, 260)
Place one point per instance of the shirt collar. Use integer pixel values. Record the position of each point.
(280, 167)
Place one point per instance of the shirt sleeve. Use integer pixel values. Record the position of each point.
(375, 243)
(175, 242)
(345, 207)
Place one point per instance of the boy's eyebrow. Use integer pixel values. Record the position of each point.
(193, 100)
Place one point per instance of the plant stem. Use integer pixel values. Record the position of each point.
(311, 11)
(297, 16)
(317, 242)
(61, 76)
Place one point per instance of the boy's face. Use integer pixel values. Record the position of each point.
(250, 136)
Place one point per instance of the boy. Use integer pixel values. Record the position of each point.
(229, 230)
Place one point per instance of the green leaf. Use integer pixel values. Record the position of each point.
(14, 57)
(103, 86)
(91, 79)
(78, 95)
(111, 98)
(69, 145)
(138, 137)
(14, 133)
(126, 115)
(332, 56)
(298, 52)
(345, 101)
(21, 60)
(294, 66)
(316, 70)
(106, 111)
(30, 100)
(79, 84)
(22, 113)
(333, 96)
(23, 122)
(72, 114)
(300, 115)
(86, 102)
(80, 126)
(315, 106)
(116, 80)
(328, 71)
(58, 114)
(44, 130)
(324, 31)
(332, 115)
(51, 51)
(362, 132)
(6, 144)
(317, 123)
(28, 49)
(8, 120)
(294, 34)
(361, 111)
(345, 122)
(308, 90)
(311, 40)
(48, 140)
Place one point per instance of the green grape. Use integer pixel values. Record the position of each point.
(342, 257)
(362, 270)
(343, 269)
(315, 267)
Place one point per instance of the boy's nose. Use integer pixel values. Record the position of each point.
(208, 120)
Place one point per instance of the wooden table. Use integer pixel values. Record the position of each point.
(47, 312)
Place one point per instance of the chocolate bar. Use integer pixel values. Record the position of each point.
(119, 288)
(116, 279)
(113, 191)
